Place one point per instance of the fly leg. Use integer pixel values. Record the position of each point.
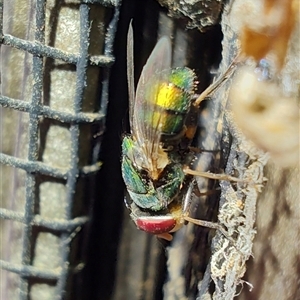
(209, 175)
(197, 150)
(210, 225)
(209, 90)
(204, 223)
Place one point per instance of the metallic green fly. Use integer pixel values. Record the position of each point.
(163, 118)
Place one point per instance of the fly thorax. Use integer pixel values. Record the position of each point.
(155, 161)
(147, 157)
(133, 151)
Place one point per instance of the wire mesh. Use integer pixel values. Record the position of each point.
(65, 228)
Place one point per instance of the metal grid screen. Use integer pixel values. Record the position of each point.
(67, 227)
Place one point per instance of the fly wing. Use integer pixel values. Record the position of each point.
(130, 72)
(145, 118)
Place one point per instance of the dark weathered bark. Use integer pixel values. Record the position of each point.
(260, 213)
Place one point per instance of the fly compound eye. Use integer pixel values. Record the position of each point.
(157, 224)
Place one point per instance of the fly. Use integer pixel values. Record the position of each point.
(156, 155)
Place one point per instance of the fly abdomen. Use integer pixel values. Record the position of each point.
(171, 105)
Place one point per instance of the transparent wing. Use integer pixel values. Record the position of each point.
(145, 117)
(130, 72)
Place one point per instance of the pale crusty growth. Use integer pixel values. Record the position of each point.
(266, 116)
(265, 27)
(267, 112)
